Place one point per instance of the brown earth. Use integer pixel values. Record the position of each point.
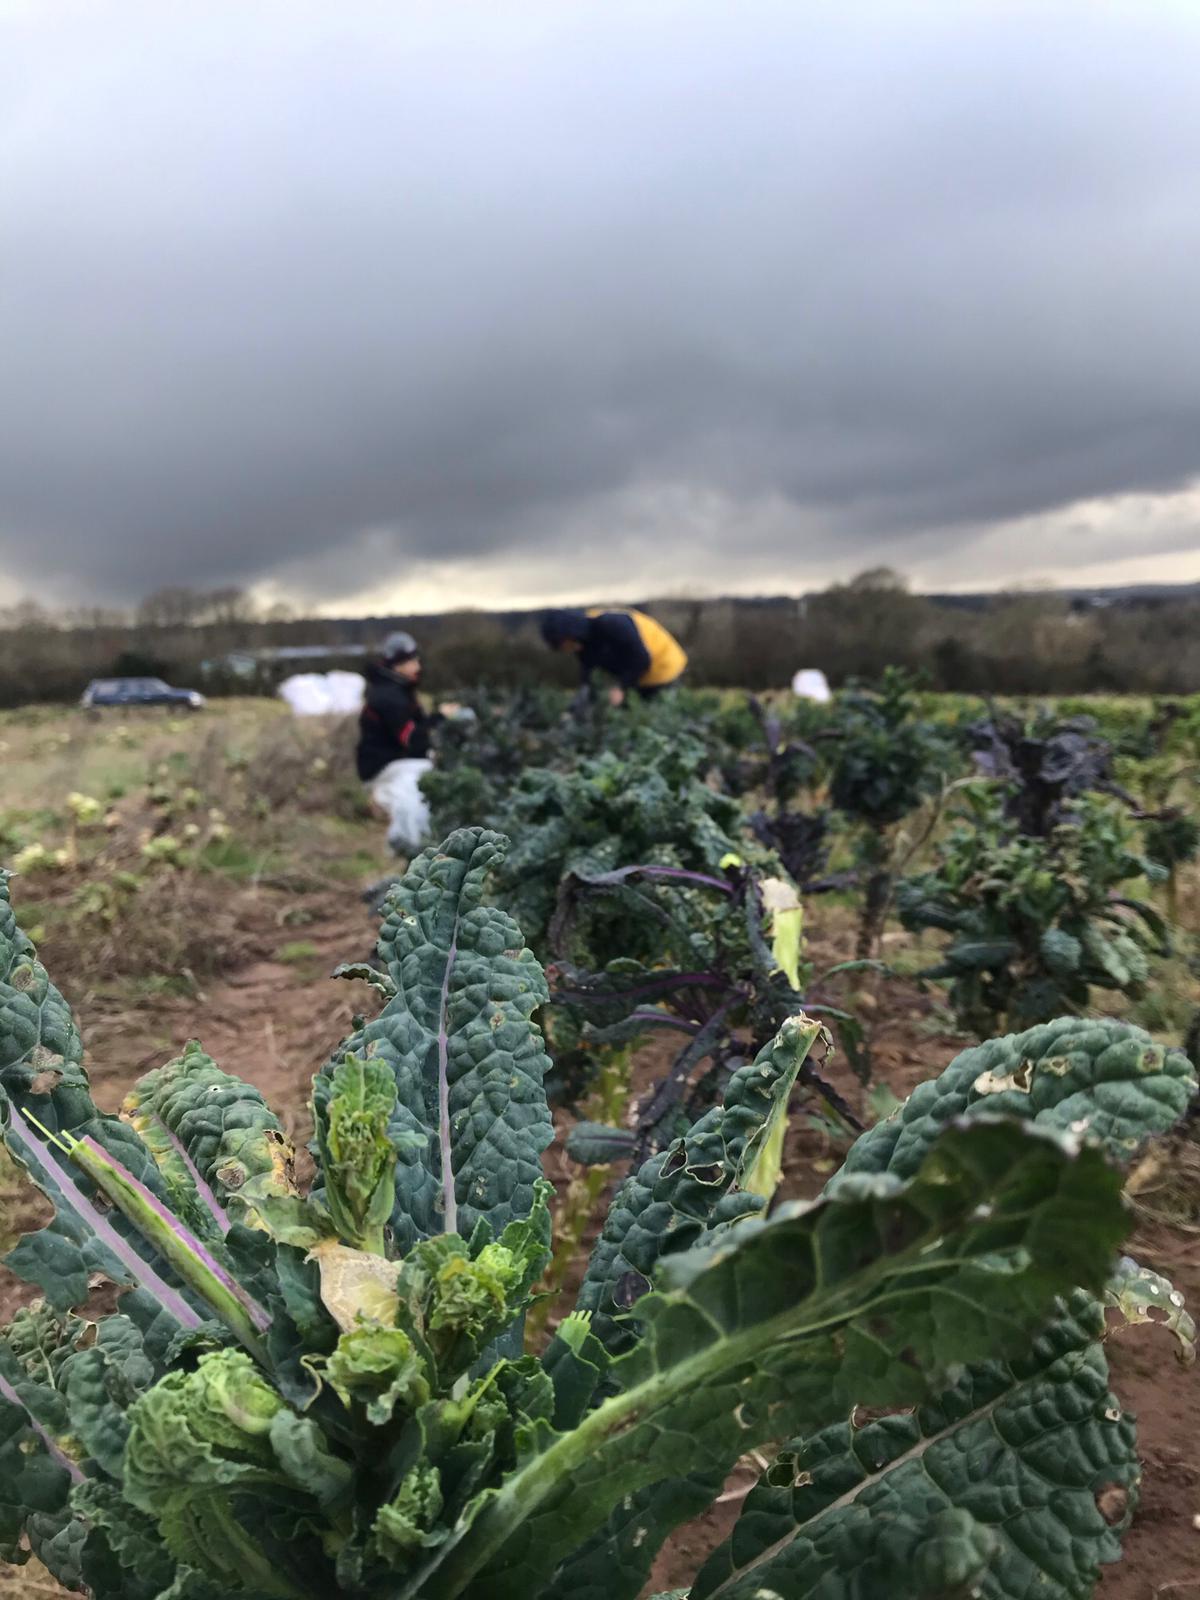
(271, 1021)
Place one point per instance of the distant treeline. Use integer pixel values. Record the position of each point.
(1030, 643)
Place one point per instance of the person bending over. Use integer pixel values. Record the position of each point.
(628, 646)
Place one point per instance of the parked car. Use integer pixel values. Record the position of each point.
(138, 692)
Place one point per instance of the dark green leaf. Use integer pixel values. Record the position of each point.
(1028, 1463)
(864, 1298)
(467, 1060)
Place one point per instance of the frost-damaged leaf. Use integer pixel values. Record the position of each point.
(867, 1297)
(676, 1195)
(366, 973)
(1108, 1082)
(192, 1199)
(1029, 1463)
(784, 911)
(356, 1285)
(224, 1128)
(760, 1167)
(467, 1060)
(1138, 1293)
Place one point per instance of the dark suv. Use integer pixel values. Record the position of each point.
(138, 692)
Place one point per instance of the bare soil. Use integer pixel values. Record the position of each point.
(273, 1022)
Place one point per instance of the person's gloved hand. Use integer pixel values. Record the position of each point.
(581, 702)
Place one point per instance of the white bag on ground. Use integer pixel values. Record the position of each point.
(810, 683)
(397, 791)
(346, 691)
(322, 694)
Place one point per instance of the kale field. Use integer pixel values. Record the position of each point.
(753, 1154)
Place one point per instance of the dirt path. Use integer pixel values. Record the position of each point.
(271, 1021)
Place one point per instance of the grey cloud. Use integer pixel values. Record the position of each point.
(276, 275)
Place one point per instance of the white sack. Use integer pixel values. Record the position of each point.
(346, 691)
(397, 791)
(810, 683)
(322, 694)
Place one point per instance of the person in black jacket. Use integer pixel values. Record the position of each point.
(393, 724)
(627, 645)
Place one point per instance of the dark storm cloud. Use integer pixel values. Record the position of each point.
(276, 275)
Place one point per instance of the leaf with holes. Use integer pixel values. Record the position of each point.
(670, 1202)
(214, 1133)
(863, 1297)
(1107, 1082)
(1142, 1295)
(1018, 1479)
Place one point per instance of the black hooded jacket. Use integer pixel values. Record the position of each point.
(608, 643)
(393, 724)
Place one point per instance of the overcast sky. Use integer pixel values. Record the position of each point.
(420, 304)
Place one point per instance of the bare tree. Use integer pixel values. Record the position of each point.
(171, 607)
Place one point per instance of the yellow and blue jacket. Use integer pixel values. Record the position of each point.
(634, 649)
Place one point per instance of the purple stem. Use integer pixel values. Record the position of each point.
(52, 1447)
(140, 1272)
(211, 1203)
(664, 1021)
(193, 1245)
(670, 980)
(680, 874)
(449, 1202)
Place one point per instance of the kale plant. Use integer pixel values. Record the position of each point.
(605, 813)
(731, 966)
(890, 758)
(304, 1396)
(478, 762)
(1036, 921)
(1044, 766)
(1171, 839)
(787, 766)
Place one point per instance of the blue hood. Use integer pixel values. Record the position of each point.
(560, 625)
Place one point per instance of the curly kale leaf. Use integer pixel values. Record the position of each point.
(358, 1159)
(214, 1461)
